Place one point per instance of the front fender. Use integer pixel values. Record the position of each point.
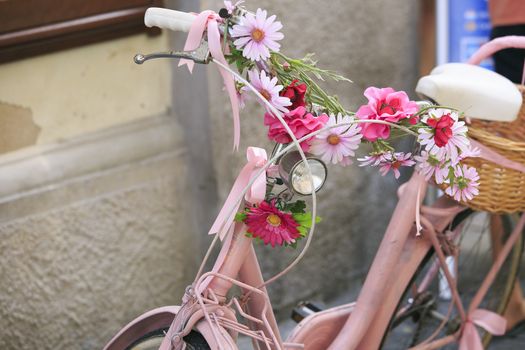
(148, 322)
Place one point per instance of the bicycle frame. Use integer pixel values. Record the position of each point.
(361, 325)
(399, 255)
(400, 252)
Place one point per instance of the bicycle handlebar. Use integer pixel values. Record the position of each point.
(168, 19)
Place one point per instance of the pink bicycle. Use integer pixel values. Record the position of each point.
(399, 305)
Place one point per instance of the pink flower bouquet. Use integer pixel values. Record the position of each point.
(296, 107)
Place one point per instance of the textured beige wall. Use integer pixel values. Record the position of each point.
(95, 221)
(87, 252)
(88, 88)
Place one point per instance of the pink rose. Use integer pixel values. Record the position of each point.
(300, 122)
(384, 104)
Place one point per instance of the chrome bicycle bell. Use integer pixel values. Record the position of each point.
(294, 174)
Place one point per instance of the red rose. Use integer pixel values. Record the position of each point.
(295, 92)
(443, 129)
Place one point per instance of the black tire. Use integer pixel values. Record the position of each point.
(151, 341)
(420, 320)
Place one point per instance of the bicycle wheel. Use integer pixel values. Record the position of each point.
(419, 314)
(152, 341)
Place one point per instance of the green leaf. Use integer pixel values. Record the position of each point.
(303, 231)
(305, 219)
(451, 176)
(240, 216)
(293, 245)
(296, 207)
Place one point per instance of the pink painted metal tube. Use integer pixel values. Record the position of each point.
(496, 45)
(373, 292)
(239, 261)
(250, 273)
(232, 258)
(413, 253)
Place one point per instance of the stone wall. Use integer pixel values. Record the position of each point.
(94, 231)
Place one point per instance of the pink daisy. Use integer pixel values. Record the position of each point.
(428, 165)
(465, 185)
(257, 35)
(373, 159)
(269, 89)
(471, 153)
(454, 143)
(393, 161)
(337, 144)
(271, 225)
(231, 7)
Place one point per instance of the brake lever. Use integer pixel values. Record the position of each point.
(200, 55)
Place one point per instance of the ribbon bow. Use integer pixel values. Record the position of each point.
(488, 320)
(207, 20)
(257, 158)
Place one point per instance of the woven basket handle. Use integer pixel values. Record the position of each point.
(505, 42)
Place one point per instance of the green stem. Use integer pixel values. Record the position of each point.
(225, 37)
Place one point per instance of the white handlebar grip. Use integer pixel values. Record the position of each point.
(168, 19)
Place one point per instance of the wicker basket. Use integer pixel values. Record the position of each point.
(501, 190)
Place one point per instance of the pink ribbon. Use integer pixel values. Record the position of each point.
(494, 157)
(257, 158)
(207, 20)
(488, 320)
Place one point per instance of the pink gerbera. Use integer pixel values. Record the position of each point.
(445, 141)
(465, 185)
(393, 161)
(257, 35)
(271, 225)
(337, 144)
(269, 89)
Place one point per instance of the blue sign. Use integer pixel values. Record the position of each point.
(468, 28)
